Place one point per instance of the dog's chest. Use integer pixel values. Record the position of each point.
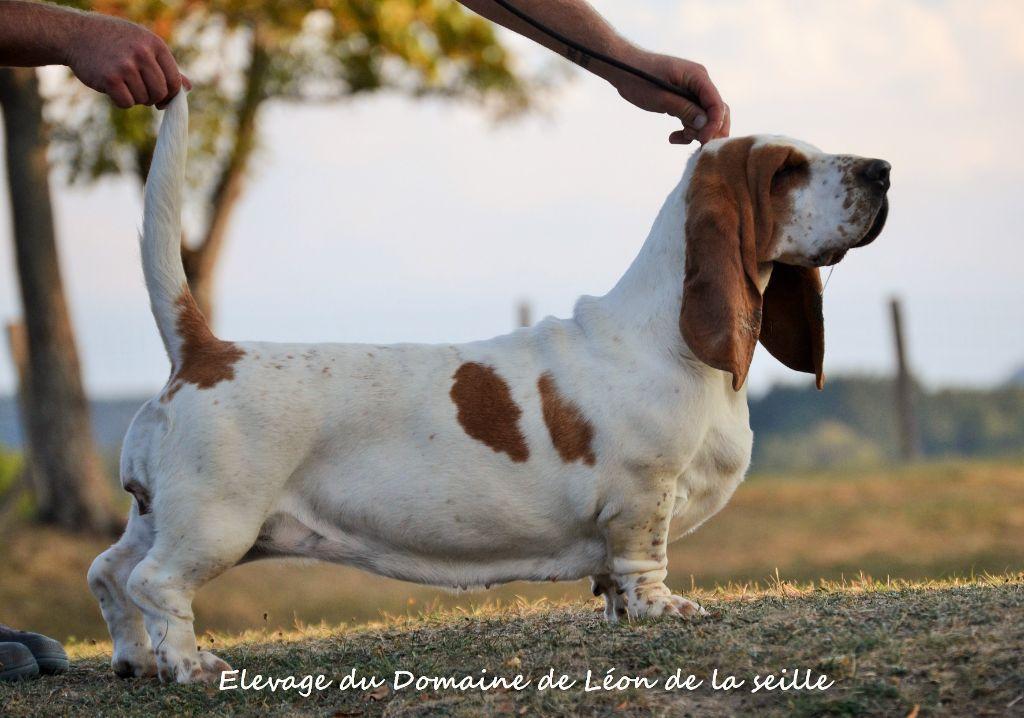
(717, 468)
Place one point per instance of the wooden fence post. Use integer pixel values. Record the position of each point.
(910, 437)
(523, 314)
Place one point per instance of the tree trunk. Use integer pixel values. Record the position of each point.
(201, 261)
(76, 494)
(17, 341)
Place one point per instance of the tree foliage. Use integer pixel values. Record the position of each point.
(241, 54)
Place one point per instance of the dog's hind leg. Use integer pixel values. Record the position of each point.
(108, 578)
(614, 605)
(184, 556)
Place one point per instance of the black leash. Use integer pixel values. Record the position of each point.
(586, 52)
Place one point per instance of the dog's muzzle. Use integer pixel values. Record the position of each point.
(874, 174)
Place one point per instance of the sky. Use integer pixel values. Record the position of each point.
(391, 220)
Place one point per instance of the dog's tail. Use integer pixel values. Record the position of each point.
(173, 306)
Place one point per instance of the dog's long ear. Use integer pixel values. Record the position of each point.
(721, 313)
(730, 230)
(792, 325)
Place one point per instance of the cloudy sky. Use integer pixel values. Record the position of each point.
(393, 221)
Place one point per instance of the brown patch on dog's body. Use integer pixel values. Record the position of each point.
(486, 410)
(570, 431)
(205, 360)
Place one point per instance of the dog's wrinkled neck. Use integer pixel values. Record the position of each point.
(646, 301)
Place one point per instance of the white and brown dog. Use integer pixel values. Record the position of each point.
(578, 447)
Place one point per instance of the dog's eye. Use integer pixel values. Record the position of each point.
(792, 171)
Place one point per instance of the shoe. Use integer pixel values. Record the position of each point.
(49, 654)
(17, 662)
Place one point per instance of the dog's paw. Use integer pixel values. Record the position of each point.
(142, 666)
(663, 605)
(212, 667)
(655, 600)
(203, 667)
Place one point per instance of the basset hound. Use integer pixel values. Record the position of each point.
(577, 447)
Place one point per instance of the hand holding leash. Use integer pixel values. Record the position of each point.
(652, 82)
(690, 95)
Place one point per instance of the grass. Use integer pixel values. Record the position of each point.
(892, 648)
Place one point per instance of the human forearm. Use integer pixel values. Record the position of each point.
(113, 56)
(575, 19)
(33, 34)
(704, 120)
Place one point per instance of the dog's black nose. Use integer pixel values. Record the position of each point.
(876, 172)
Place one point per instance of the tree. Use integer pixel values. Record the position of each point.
(241, 55)
(68, 482)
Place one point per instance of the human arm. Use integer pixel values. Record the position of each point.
(578, 21)
(113, 56)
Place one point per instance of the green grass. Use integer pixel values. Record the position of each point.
(946, 648)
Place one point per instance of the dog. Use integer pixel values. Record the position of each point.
(577, 447)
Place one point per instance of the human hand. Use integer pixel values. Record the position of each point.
(123, 60)
(703, 123)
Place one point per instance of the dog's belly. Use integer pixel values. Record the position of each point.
(285, 535)
(434, 522)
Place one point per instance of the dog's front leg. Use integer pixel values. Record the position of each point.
(637, 537)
